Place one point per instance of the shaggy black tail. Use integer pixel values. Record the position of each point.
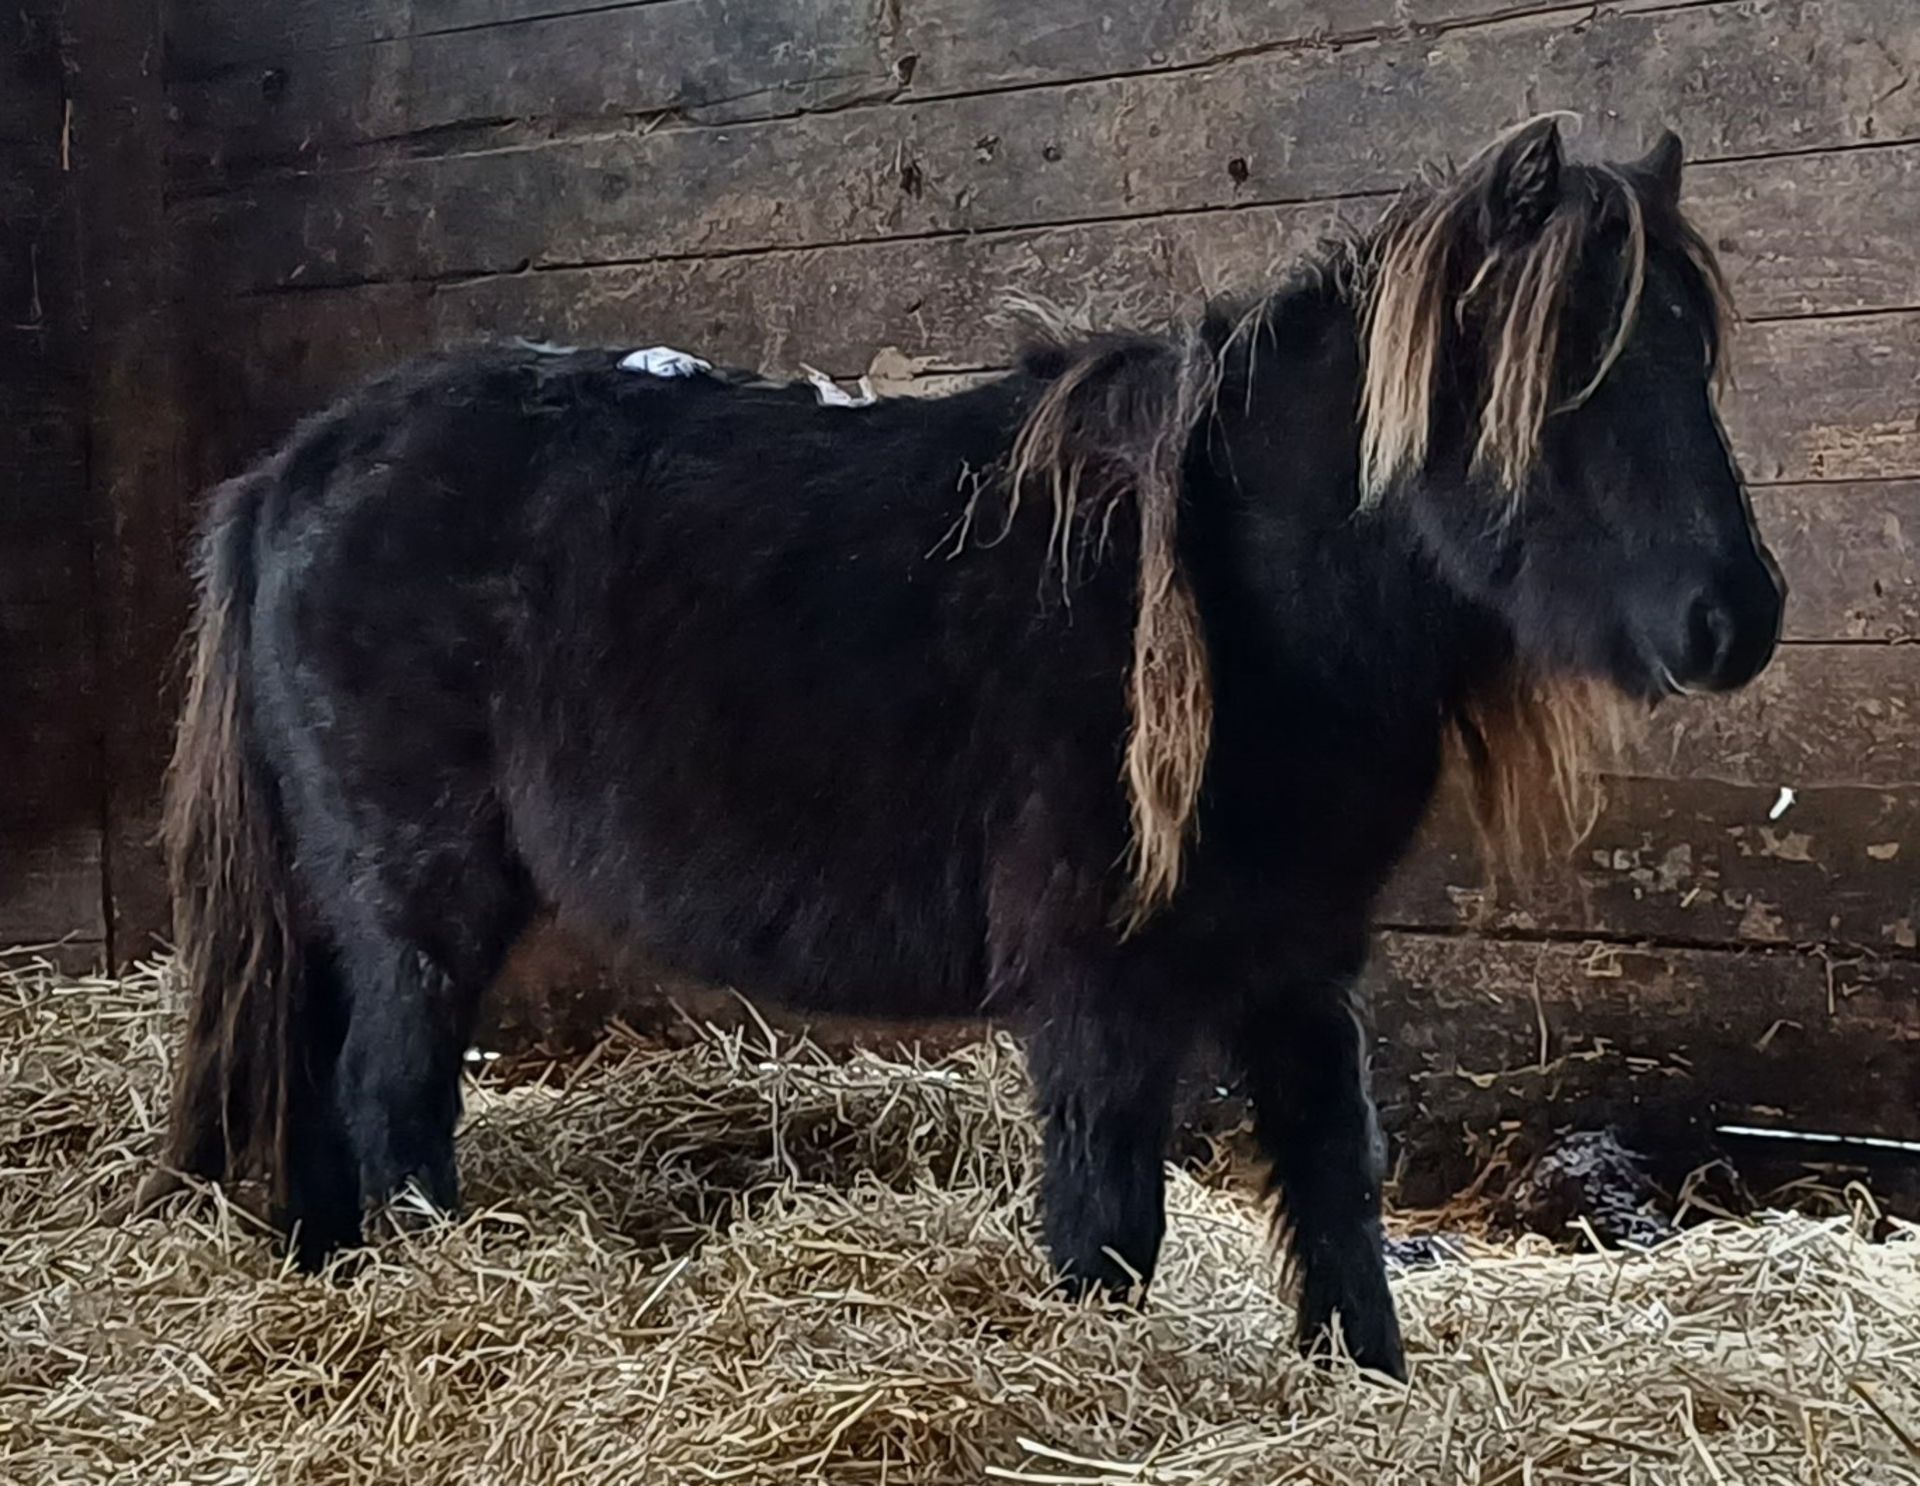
(228, 866)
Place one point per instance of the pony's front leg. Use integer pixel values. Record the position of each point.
(1104, 1068)
(1303, 1052)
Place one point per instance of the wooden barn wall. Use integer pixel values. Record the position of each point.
(861, 183)
(51, 784)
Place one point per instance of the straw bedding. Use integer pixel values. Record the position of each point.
(726, 1262)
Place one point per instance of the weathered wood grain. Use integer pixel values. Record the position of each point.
(958, 43)
(139, 468)
(1828, 399)
(715, 58)
(966, 44)
(1662, 1043)
(208, 34)
(387, 72)
(955, 45)
(1819, 715)
(50, 888)
(963, 44)
(1299, 125)
(945, 298)
(1851, 555)
(1820, 233)
(1696, 861)
(50, 780)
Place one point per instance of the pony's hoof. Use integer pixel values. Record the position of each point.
(1373, 1346)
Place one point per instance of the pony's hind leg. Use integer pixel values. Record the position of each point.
(323, 1186)
(412, 1001)
(1302, 1048)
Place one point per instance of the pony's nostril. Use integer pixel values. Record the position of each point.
(1710, 636)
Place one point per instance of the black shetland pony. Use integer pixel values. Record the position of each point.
(1103, 697)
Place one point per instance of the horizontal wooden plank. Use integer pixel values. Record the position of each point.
(710, 57)
(1773, 220)
(1274, 126)
(955, 45)
(953, 41)
(387, 73)
(961, 45)
(1692, 860)
(964, 44)
(206, 34)
(50, 887)
(1851, 555)
(1820, 233)
(1474, 1035)
(1828, 399)
(1820, 714)
(354, 73)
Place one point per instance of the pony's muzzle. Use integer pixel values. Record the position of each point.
(1727, 626)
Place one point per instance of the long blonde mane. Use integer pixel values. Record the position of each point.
(1115, 426)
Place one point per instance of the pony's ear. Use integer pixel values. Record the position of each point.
(1523, 183)
(1660, 166)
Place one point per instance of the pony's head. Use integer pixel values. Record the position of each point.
(1541, 342)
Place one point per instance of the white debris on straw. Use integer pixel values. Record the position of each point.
(1785, 803)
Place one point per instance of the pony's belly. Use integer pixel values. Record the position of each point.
(844, 964)
(855, 933)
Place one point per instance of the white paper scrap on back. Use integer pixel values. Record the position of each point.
(833, 395)
(663, 361)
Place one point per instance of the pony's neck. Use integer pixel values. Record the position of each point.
(1322, 592)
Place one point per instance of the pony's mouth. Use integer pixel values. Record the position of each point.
(1651, 680)
(1672, 686)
